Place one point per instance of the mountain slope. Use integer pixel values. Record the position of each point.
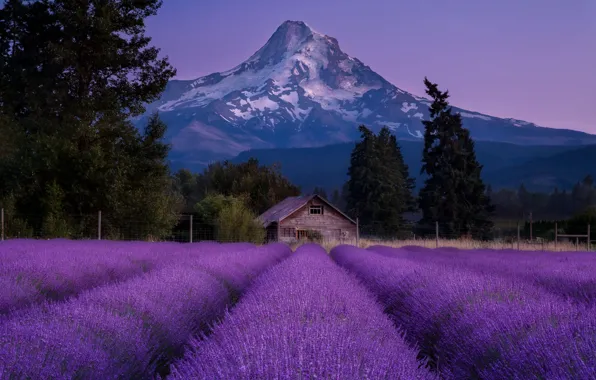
(505, 165)
(301, 90)
(561, 170)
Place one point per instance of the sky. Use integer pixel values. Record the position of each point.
(533, 60)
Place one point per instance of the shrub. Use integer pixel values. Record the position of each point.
(230, 219)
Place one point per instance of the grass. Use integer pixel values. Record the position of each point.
(455, 243)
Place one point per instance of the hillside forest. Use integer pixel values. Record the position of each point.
(74, 76)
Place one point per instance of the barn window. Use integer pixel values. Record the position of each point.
(288, 232)
(316, 210)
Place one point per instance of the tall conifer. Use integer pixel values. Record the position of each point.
(379, 188)
(454, 194)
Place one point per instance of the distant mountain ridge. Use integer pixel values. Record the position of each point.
(539, 168)
(301, 90)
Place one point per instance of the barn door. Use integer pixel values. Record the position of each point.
(301, 234)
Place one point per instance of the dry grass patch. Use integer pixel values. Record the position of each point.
(454, 243)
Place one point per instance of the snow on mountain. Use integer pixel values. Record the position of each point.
(300, 89)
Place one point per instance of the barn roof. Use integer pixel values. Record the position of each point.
(289, 205)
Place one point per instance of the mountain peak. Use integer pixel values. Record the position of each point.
(287, 38)
(294, 27)
(301, 89)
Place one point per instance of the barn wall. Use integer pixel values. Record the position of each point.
(330, 224)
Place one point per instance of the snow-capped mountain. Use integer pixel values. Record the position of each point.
(300, 89)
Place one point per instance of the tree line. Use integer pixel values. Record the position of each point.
(521, 204)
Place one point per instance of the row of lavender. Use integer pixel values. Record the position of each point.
(306, 318)
(131, 328)
(570, 275)
(486, 314)
(33, 271)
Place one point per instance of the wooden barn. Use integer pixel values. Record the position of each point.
(296, 217)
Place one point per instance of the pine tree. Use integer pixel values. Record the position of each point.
(336, 198)
(320, 192)
(360, 187)
(454, 194)
(379, 186)
(409, 184)
(72, 74)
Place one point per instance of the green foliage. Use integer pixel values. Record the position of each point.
(379, 189)
(14, 226)
(578, 224)
(185, 184)
(72, 74)
(236, 223)
(261, 186)
(314, 236)
(453, 194)
(54, 224)
(229, 219)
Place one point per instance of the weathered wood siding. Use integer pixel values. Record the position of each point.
(331, 224)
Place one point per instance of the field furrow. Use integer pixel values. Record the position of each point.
(473, 325)
(305, 318)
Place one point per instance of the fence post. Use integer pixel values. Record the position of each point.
(357, 233)
(436, 234)
(589, 241)
(2, 224)
(518, 235)
(99, 225)
(556, 234)
(190, 228)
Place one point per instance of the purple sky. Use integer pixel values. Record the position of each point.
(533, 60)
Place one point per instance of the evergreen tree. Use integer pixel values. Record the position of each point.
(379, 188)
(336, 199)
(185, 184)
(409, 183)
(72, 74)
(320, 192)
(453, 194)
(363, 176)
(525, 198)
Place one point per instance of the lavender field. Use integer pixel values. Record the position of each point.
(133, 310)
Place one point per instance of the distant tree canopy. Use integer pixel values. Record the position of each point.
(320, 192)
(453, 194)
(379, 189)
(260, 186)
(558, 205)
(71, 76)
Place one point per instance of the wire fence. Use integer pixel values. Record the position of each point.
(102, 227)
(540, 235)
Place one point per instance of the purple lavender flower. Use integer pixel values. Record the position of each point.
(304, 318)
(474, 324)
(133, 328)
